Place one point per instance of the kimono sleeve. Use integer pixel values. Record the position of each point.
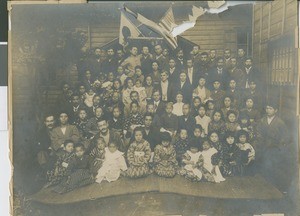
(156, 157)
(147, 151)
(130, 153)
(75, 134)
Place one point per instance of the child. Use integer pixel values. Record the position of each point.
(219, 158)
(210, 108)
(155, 74)
(91, 126)
(79, 172)
(117, 86)
(135, 119)
(149, 87)
(191, 160)
(164, 159)
(246, 125)
(231, 123)
(81, 92)
(247, 152)
(202, 119)
(233, 156)
(61, 166)
(88, 97)
(141, 91)
(217, 94)
(98, 155)
(107, 91)
(234, 93)
(217, 124)
(195, 106)
(169, 121)
(211, 171)
(181, 144)
(81, 122)
(128, 88)
(198, 136)
(177, 107)
(121, 75)
(113, 164)
(116, 123)
(139, 74)
(138, 155)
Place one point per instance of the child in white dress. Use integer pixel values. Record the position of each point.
(210, 172)
(177, 107)
(191, 159)
(88, 101)
(113, 164)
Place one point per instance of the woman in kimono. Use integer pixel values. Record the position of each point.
(138, 155)
(165, 162)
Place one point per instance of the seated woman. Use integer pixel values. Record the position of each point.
(164, 160)
(63, 132)
(138, 155)
(135, 119)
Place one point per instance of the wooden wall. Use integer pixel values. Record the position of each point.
(272, 21)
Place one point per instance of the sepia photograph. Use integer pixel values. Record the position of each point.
(148, 108)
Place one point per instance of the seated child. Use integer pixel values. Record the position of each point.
(190, 161)
(195, 106)
(138, 87)
(81, 122)
(116, 123)
(247, 152)
(202, 119)
(233, 157)
(98, 155)
(107, 91)
(79, 172)
(138, 155)
(60, 170)
(138, 74)
(135, 119)
(211, 172)
(210, 108)
(164, 159)
(198, 136)
(231, 123)
(177, 107)
(246, 125)
(113, 164)
(88, 97)
(181, 145)
(217, 123)
(169, 121)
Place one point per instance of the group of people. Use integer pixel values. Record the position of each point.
(132, 114)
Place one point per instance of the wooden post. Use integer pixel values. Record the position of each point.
(283, 17)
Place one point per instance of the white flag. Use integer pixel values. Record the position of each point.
(127, 29)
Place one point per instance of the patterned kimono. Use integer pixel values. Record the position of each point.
(61, 169)
(232, 126)
(132, 119)
(219, 157)
(181, 146)
(138, 157)
(217, 126)
(113, 164)
(192, 171)
(98, 156)
(165, 162)
(79, 175)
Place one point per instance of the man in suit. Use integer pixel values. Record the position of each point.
(212, 61)
(165, 87)
(95, 63)
(187, 121)
(120, 56)
(203, 65)
(180, 62)
(196, 56)
(218, 73)
(108, 136)
(146, 61)
(184, 87)
(74, 107)
(250, 73)
(241, 57)
(234, 72)
(159, 105)
(159, 57)
(173, 71)
(96, 103)
(227, 58)
(192, 73)
(110, 64)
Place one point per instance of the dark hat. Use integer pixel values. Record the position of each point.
(272, 103)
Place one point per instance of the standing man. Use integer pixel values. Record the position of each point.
(192, 73)
(146, 61)
(131, 62)
(165, 87)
